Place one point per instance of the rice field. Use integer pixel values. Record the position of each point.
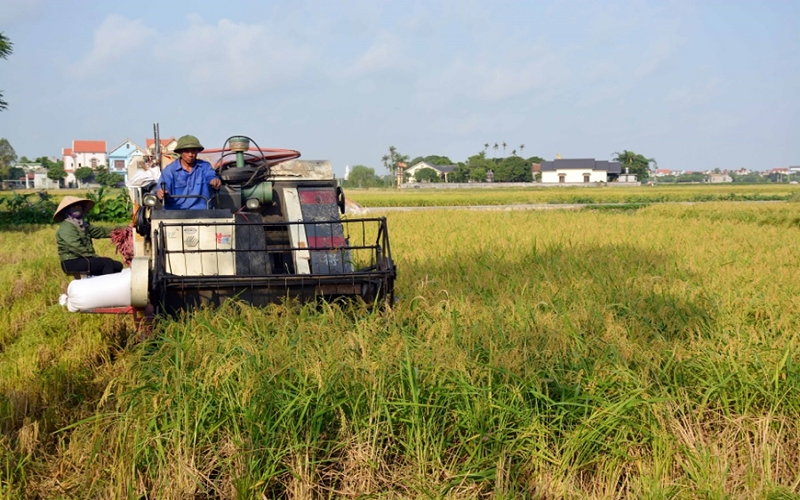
(601, 354)
(589, 194)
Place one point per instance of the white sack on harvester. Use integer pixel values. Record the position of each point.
(108, 290)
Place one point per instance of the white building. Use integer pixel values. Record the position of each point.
(583, 171)
(90, 154)
(441, 170)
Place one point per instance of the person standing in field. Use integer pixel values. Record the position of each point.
(187, 176)
(74, 239)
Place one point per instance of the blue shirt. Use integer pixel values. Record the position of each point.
(178, 181)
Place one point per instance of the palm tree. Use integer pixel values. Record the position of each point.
(495, 149)
(486, 146)
(627, 158)
(391, 161)
(635, 163)
(521, 147)
(6, 48)
(504, 148)
(513, 152)
(386, 163)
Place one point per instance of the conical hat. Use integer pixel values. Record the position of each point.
(71, 200)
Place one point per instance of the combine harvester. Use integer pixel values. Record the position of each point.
(272, 232)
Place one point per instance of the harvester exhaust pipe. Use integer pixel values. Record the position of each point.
(157, 145)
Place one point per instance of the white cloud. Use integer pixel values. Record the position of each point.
(694, 94)
(613, 77)
(209, 60)
(229, 58)
(115, 39)
(659, 53)
(493, 77)
(14, 11)
(386, 53)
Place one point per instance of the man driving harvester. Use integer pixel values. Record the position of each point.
(187, 176)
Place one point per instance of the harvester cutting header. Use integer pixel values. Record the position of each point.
(272, 229)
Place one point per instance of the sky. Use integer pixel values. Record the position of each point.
(693, 84)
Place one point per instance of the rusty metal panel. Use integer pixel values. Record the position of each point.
(319, 205)
(323, 196)
(302, 169)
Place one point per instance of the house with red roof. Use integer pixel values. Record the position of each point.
(168, 144)
(780, 173)
(167, 147)
(90, 154)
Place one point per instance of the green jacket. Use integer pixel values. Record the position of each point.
(73, 243)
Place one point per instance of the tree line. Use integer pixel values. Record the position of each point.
(10, 168)
(513, 168)
(478, 168)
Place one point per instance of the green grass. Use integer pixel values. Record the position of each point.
(647, 353)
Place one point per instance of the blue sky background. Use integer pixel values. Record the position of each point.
(694, 84)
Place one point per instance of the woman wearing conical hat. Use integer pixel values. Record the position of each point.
(74, 239)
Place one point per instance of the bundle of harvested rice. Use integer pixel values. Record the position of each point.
(123, 239)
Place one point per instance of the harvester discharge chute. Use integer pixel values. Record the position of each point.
(272, 231)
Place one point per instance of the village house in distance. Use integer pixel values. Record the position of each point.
(121, 157)
(580, 171)
(90, 154)
(584, 171)
(441, 170)
(93, 154)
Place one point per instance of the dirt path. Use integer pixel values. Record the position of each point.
(538, 206)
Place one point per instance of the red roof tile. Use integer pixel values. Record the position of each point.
(89, 146)
(164, 142)
(66, 152)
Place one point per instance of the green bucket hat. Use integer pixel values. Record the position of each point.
(188, 142)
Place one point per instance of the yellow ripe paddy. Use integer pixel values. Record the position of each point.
(648, 353)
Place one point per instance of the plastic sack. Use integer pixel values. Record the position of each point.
(144, 178)
(110, 290)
